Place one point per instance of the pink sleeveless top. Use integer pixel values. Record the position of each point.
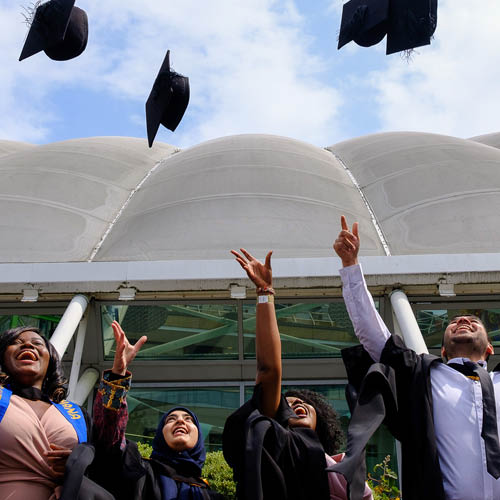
(24, 471)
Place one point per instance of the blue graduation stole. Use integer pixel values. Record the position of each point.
(70, 411)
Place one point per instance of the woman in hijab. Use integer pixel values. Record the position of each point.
(174, 469)
(38, 427)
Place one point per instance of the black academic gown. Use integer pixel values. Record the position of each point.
(270, 460)
(421, 472)
(130, 477)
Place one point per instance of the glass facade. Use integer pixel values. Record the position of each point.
(46, 323)
(210, 330)
(212, 406)
(175, 331)
(307, 329)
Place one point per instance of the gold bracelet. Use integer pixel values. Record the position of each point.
(265, 299)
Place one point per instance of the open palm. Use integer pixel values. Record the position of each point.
(125, 351)
(260, 274)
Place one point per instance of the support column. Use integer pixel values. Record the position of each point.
(84, 386)
(406, 322)
(69, 322)
(77, 355)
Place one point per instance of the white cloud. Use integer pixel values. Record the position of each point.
(250, 66)
(450, 87)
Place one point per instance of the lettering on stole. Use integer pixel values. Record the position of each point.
(71, 411)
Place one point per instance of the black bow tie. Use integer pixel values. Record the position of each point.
(489, 431)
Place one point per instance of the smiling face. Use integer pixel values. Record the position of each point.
(305, 412)
(26, 359)
(466, 337)
(180, 431)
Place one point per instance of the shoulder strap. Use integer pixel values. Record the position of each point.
(5, 395)
(74, 415)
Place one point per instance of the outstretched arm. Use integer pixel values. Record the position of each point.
(368, 325)
(110, 406)
(267, 336)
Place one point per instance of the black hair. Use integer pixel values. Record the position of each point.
(328, 427)
(54, 383)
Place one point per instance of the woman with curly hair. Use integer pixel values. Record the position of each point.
(38, 427)
(280, 445)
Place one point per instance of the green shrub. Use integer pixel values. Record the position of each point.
(144, 449)
(384, 481)
(219, 475)
(216, 471)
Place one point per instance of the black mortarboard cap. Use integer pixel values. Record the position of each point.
(364, 21)
(411, 24)
(59, 29)
(167, 101)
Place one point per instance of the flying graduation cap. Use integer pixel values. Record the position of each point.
(411, 24)
(407, 23)
(167, 101)
(364, 22)
(59, 29)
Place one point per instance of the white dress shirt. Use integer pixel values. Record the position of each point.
(457, 401)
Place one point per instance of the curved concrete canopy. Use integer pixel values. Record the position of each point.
(430, 193)
(9, 147)
(58, 200)
(492, 140)
(256, 191)
(114, 199)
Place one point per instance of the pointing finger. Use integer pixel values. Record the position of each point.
(343, 223)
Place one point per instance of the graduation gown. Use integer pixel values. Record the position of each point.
(270, 460)
(421, 473)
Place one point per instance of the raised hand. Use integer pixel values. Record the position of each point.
(125, 351)
(347, 243)
(260, 274)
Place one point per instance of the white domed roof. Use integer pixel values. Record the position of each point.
(58, 200)
(492, 140)
(257, 191)
(114, 199)
(9, 147)
(431, 194)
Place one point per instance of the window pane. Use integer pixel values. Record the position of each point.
(212, 406)
(308, 330)
(207, 331)
(47, 323)
(433, 322)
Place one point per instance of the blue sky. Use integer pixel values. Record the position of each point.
(255, 66)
